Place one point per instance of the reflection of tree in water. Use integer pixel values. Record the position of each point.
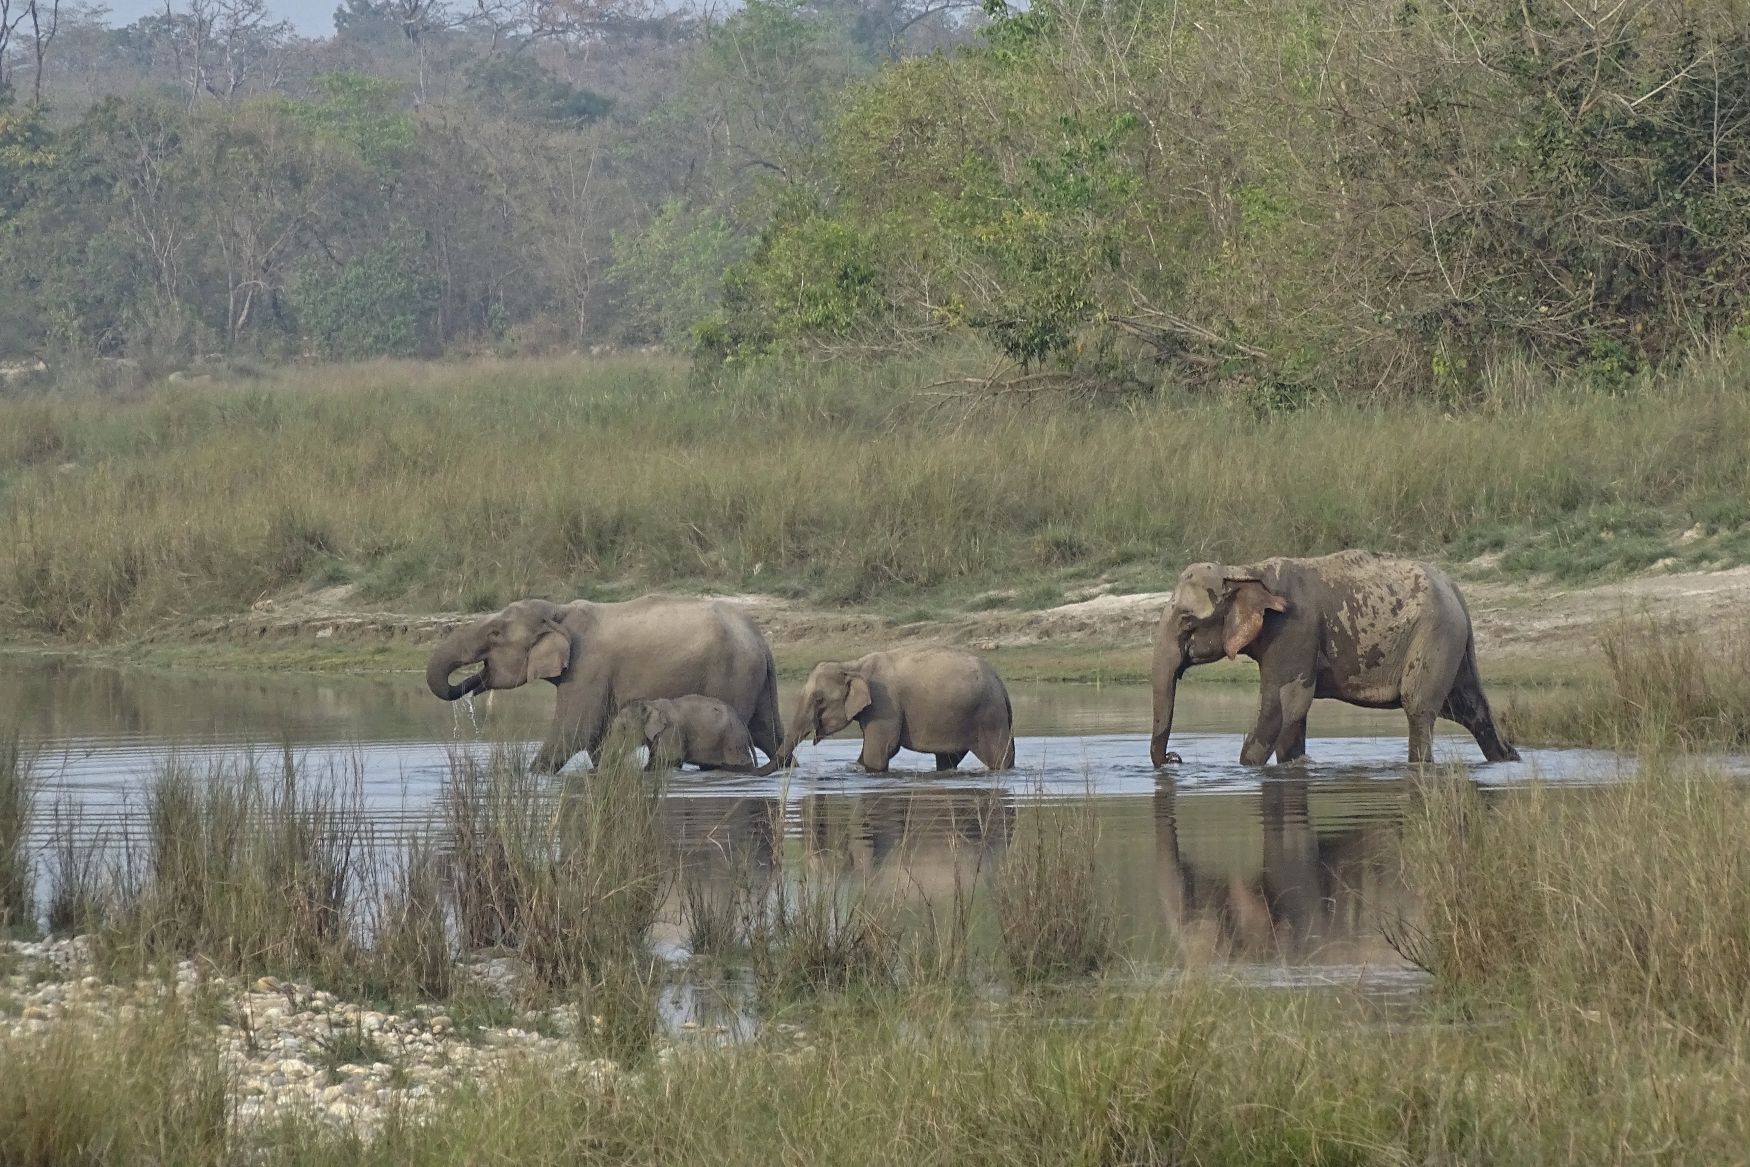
(1285, 888)
(59, 697)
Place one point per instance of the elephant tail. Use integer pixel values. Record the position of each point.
(767, 727)
(1009, 754)
(1467, 705)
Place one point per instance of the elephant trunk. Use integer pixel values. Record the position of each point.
(786, 755)
(460, 649)
(1169, 666)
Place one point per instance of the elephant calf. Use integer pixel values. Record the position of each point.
(939, 701)
(687, 731)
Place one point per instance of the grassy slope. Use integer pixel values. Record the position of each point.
(463, 486)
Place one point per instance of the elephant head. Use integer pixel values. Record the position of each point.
(525, 642)
(648, 724)
(834, 695)
(1216, 612)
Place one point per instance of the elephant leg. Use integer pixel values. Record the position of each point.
(950, 760)
(1295, 700)
(996, 751)
(1421, 736)
(560, 747)
(1431, 666)
(580, 718)
(1467, 705)
(1261, 742)
(880, 743)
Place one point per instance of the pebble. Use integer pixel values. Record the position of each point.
(280, 1031)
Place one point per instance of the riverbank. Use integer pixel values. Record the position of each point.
(458, 487)
(1529, 632)
(1581, 1002)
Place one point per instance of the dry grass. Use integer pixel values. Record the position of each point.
(17, 810)
(463, 486)
(1633, 899)
(246, 868)
(1663, 686)
(1056, 923)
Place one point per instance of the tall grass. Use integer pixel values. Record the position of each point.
(1056, 923)
(836, 481)
(1633, 899)
(570, 879)
(147, 1091)
(1188, 1074)
(248, 869)
(17, 810)
(1664, 685)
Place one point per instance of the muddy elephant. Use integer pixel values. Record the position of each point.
(1368, 629)
(600, 656)
(686, 731)
(939, 701)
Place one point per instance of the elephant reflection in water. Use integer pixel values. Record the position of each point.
(926, 841)
(924, 844)
(1283, 889)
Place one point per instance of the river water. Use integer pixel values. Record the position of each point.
(1280, 874)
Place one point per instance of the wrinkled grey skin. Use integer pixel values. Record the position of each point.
(1368, 629)
(939, 701)
(687, 731)
(600, 656)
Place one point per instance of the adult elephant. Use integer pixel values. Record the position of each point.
(1368, 629)
(600, 656)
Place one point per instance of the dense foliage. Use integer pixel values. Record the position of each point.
(1285, 197)
(1271, 198)
(427, 180)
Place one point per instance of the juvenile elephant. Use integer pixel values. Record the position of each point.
(687, 731)
(1368, 629)
(937, 701)
(600, 656)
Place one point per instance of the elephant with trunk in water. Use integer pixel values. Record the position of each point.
(600, 656)
(1371, 630)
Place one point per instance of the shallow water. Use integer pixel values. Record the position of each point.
(1281, 874)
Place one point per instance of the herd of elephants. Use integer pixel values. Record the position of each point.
(694, 680)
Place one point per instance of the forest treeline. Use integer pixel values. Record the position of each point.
(1376, 198)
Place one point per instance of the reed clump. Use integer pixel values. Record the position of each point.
(1664, 686)
(1056, 924)
(150, 1090)
(246, 868)
(811, 929)
(567, 872)
(1632, 900)
(17, 812)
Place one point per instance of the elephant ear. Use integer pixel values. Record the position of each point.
(857, 696)
(550, 655)
(1248, 600)
(654, 722)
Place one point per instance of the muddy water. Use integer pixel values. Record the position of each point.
(1283, 874)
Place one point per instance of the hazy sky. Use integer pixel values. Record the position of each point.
(309, 17)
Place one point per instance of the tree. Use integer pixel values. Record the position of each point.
(220, 46)
(43, 21)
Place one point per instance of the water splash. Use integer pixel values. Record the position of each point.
(466, 705)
